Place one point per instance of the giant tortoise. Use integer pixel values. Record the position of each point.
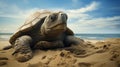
(42, 30)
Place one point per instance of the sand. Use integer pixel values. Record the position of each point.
(3, 43)
(106, 53)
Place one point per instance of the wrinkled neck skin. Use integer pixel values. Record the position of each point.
(42, 30)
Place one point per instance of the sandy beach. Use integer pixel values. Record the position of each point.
(108, 56)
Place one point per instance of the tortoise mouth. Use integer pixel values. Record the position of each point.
(60, 26)
(56, 30)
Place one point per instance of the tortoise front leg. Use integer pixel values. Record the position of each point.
(72, 40)
(49, 45)
(22, 51)
(75, 45)
(80, 48)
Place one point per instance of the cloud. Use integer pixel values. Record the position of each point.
(8, 28)
(95, 25)
(13, 11)
(90, 7)
(79, 13)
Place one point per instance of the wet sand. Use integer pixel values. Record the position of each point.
(107, 56)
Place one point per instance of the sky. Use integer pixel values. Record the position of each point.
(84, 16)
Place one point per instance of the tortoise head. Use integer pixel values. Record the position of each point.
(54, 24)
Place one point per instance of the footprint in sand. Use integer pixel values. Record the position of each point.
(43, 57)
(65, 54)
(115, 55)
(3, 61)
(84, 64)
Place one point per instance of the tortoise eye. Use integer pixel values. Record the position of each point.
(53, 17)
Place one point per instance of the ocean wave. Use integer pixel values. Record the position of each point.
(5, 37)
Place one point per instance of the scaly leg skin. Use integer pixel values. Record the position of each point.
(22, 51)
(49, 45)
(72, 40)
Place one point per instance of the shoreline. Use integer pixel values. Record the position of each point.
(92, 40)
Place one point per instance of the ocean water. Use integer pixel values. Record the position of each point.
(97, 36)
(6, 36)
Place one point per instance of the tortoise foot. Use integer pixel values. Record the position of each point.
(23, 57)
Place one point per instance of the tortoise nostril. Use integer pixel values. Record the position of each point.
(63, 15)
